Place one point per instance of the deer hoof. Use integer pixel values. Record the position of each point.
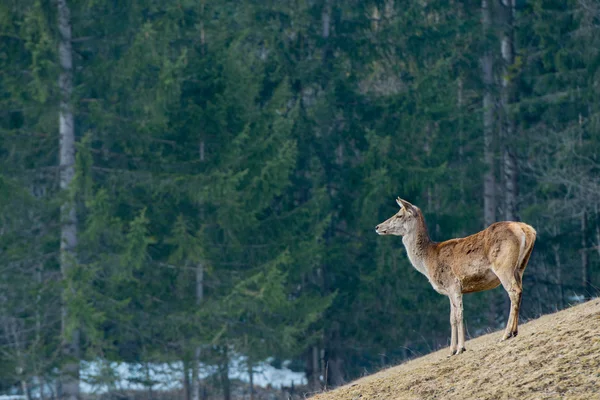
(455, 352)
(508, 335)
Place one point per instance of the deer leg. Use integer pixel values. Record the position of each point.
(519, 292)
(461, 324)
(515, 308)
(453, 327)
(515, 302)
(513, 319)
(513, 287)
(459, 328)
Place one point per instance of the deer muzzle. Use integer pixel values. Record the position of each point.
(380, 230)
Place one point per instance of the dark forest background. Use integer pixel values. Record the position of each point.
(199, 180)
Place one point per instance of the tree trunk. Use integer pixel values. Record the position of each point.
(187, 385)
(198, 349)
(489, 179)
(315, 371)
(149, 394)
(489, 142)
(25, 389)
(69, 376)
(203, 48)
(334, 368)
(544, 301)
(375, 19)
(588, 283)
(17, 334)
(557, 261)
(326, 27)
(326, 19)
(251, 376)
(38, 325)
(42, 387)
(585, 273)
(335, 371)
(225, 384)
(509, 161)
(461, 151)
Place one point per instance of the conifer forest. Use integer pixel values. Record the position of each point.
(196, 183)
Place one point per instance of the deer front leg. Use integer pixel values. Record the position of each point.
(453, 328)
(456, 301)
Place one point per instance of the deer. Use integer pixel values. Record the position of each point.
(497, 255)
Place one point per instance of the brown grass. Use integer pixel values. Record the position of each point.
(554, 357)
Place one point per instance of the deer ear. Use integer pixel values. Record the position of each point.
(405, 204)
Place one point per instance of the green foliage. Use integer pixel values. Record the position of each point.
(233, 159)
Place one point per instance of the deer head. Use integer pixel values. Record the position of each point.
(403, 222)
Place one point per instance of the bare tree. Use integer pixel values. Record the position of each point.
(198, 349)
(509, 160)
(69, 381)
(489, 180)
(585, 272)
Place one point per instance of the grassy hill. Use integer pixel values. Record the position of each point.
(554, 357)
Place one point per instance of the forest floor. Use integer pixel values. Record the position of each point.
(554, 357)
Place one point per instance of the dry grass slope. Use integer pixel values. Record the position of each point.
(554, 357)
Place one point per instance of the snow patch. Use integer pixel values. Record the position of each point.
(103, 376)
(576, 298)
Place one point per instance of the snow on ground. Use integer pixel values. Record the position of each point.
(265, 374)
(102, 376)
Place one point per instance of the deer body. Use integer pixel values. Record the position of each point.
(495, 256)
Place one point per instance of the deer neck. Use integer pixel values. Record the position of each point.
(418, 245)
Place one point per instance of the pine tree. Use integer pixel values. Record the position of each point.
(233, 158)
(30, 304)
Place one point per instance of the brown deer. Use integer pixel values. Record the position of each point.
(497, 255)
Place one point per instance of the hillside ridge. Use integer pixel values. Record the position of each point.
(556, 356)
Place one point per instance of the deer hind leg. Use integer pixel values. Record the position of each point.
(515, 306)
(512, 283)
(518, 277)
(506, 266)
